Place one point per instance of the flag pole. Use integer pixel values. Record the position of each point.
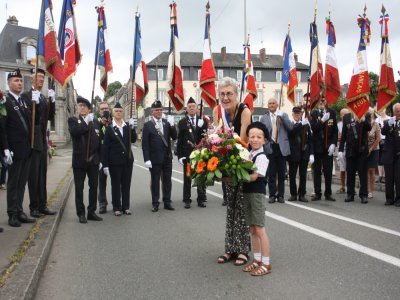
(96, 57)
(281, 95)
(133, 98)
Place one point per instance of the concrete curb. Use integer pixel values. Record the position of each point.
(24, 280)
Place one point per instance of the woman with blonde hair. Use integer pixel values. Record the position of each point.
(374, 138)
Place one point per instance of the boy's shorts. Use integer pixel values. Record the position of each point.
(254, 208)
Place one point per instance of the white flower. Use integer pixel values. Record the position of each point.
(204, 151)
(244, 154)
(194, 154)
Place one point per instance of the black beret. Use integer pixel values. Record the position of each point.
(39, 70)
(82, 100)
(260, 126)
(296, 109)
(191, 100)
(117, 105)
(15, 73)
(157, 104)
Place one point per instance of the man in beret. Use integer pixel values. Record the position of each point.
(190, 132)
(44, 111)
(156, 146)
(16, 129)
(86, 143)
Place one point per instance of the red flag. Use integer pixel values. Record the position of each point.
(332, 81)
(249, 84)
(316, 74)
(387, 85)
(207, 73)
(359, 89)
(174, 72)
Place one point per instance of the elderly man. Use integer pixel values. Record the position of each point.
(44, 111)
(278, 149)
(391, 157)
(156, 146)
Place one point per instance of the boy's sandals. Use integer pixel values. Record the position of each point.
(262, 269)
(251, 266)
(241, 259)
(224, 258)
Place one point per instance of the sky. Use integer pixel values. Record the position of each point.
(267, 24)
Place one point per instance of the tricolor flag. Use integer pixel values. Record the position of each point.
(249, 89)
(332, 81)
(359, 89)
(47, 45)
(102, 58)
(387, 85)
(68, 38)
(207, 73)
(174, 72)
(139, 66)
(316, 72)
(289, 74)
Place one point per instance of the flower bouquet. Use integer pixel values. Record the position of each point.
(220, 154)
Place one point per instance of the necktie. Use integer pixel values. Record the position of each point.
(273, 122)
(161, 126)
(193, 121)
(20, 101)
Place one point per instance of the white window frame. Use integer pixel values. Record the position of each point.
(160, 74)
(30, 52)
(278, 76)
(260, 98)
(198, 74)
(220, 74)
(258, 76)
(298, 96)
(298, 76)
(183, 73)
(277, 94)
(161, 96)
(5, 87)
(239, 75)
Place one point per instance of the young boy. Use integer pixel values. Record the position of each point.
(255, 201)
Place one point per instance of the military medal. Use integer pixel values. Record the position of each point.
(79, 121)
(157, 126)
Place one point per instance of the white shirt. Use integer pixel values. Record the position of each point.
(160, 124)
(261, 161)
(120, 128)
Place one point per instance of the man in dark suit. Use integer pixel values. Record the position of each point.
(190, 131)
(156, 146)
(325, 135)
(301, 152)
(17, 149)
(355, 137)
(44, 111)
(391, 157)
(84, 131)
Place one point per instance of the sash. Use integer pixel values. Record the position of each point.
(16, 108)
(160, 133)
(224, 116)
(119, 139)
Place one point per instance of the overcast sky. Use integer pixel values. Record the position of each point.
(267, 23)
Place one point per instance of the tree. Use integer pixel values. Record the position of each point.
(112, 89)
(338, 106)
(373, 85)
(97, 99)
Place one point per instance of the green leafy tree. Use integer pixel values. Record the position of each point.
(97, 99)
(338, 106)
(112, 89)
(373, 84)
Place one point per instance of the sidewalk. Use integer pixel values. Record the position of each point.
(24, 250)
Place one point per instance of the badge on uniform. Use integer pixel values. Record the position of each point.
(79, 121)
(157, 126)
(16, 107)
(97, 132)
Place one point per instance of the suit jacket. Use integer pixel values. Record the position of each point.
(83, 136)
(324, 134)
(295, 137)
(44, 112)
(391, 149)
(16, 128)
(189, 136)
(355, 136)
(153, 146)
(112, 150)
(284, 127)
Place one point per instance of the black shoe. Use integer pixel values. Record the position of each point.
(102, 210)
(397, 204)
(47, 212)
(292, 198)
(364, 200)
(168, 207)
(1, 229)
(280, 200)
(389, 203)
(93, 217)
(187, 205)
(36, 214)
(201, 204)
(82, 219)
(23, 218)
(303, 199)
(349, 198)
(329, 198)
(316, 198)
(13, 221)
(154, 209)
(272, 199)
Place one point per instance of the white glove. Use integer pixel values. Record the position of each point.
(325, 117)
(100, 166)
(279, 113)
(200, 123)
(106, 171)
(331, 149)
(392, 121)
(8, 157)
(181, 160)
(340, 155)
(147, 164)
(131, 122)
(171, 120)
(89, 118)
(52, 94)
(305, 121)
(36, 96)
(312, 159)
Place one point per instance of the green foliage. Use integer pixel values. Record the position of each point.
(373, 85)
(112, 89)
(97, 99)
(338, 106)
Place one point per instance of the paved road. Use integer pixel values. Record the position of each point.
(320, 250)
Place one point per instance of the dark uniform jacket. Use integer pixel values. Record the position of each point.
(189, 136)
(355, 135)
(86, 143)
(44, 112)
(16, 128)
(323, 134)
(153, 146)
(300, 132)
(116, 147)
(391, 150)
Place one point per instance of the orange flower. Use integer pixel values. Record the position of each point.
(243, 143)
(212, 164)
(200, 167)
(188, 170)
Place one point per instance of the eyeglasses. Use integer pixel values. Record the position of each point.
(228, 94)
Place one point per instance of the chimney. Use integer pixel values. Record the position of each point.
(12, 20)
(223, 53)
(296, 57)
(263, 55)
